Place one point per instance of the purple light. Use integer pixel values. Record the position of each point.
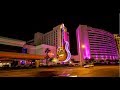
(64, 41)
(110, 57)
(78, 41)
(22, 62)
(97, 57)
(83, 43)
(106, 57)
(95, 39)
(102, 57)
(68, 52)
(65, 36)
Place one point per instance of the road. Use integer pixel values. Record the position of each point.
(96, 71)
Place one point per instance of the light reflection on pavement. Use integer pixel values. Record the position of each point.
(96, 71)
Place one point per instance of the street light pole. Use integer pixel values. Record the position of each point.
(81, 49)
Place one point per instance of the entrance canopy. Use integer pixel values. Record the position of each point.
(20, 56)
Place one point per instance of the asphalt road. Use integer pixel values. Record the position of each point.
(96, 71)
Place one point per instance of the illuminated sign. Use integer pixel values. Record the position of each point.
(63, 51)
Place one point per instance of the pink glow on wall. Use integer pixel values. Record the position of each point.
(96, 56)
(102, 57)
(95, 43)
(110, 57)
(68, 52)
(78, 41)
(83, 47)
(113, 57)
(83, 42)
(106, 57)
(65, 43)
(65, 36)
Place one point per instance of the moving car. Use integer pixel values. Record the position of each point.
(86, 66)
(91, 65)
(75, 63)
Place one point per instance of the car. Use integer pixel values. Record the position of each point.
(74, 63)
(86, 66)
(73, 76)
(91, 65)
(64, 75)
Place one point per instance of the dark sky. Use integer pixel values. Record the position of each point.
(25, 31)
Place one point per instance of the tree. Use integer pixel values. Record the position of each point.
(86, 60)
(91, 60)
(47, 50)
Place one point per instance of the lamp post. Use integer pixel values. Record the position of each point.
(81, 55)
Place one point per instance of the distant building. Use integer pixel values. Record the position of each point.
(53, 37)
(40, 49)
(52, 40)
(38, 38)
(117, 38)
(11, 45)
(95, 43)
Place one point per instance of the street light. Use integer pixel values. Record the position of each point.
(83, 46)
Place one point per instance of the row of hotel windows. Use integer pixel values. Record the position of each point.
(50, 38)
(100, 50)
(52, 42)
(50, 34)
(99, 31)
(103, 56)
(95, 39)
(104, 47)
(107, 49)
(100, 35)
(101, 38)
(103, 53)
(102, 42)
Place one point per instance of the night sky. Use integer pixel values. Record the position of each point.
(25, 31)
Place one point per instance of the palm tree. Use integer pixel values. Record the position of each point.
(47, 50)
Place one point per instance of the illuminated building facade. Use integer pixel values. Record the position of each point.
(95, 43)
(11, 45)
(117, 38)
(40, 49)
(59, 38)
(53, 37)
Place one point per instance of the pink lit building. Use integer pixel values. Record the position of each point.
(95, 43)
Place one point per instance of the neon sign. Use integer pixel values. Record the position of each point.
(64, 50)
